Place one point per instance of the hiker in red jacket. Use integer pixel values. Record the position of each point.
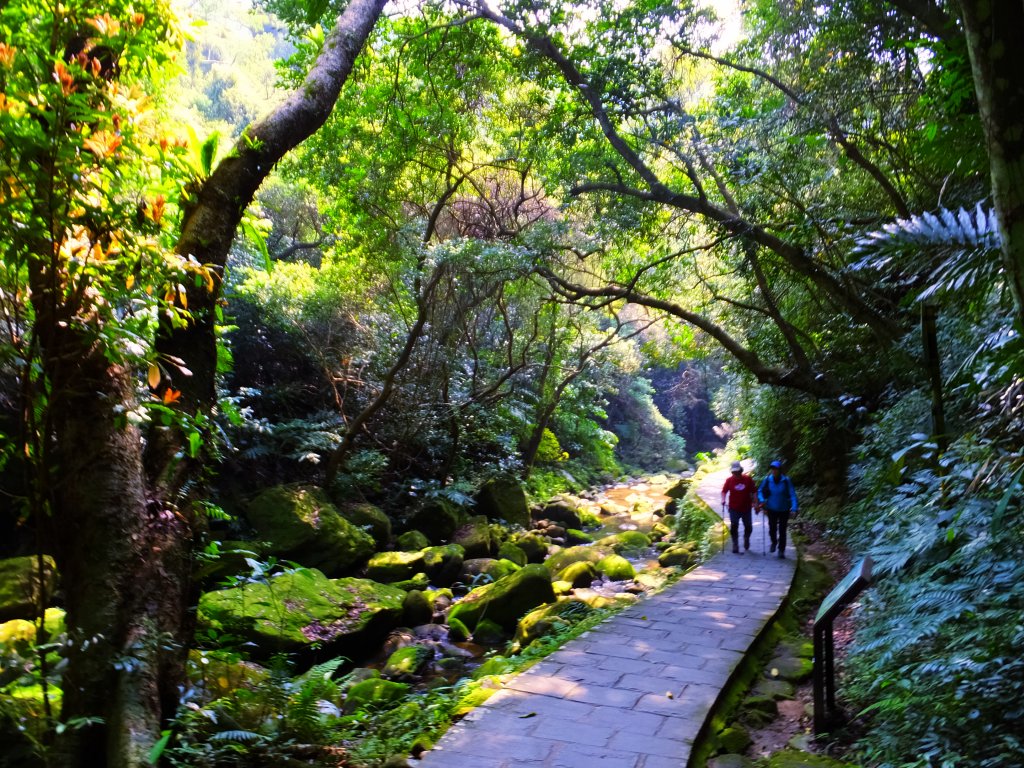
(738, 491)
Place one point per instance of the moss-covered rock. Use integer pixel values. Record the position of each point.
(734, 739)
(297, 609)
(576, 536)
(566, 557)
(507, 599)
(370, 518)
(731, 761)
(679, 489)
(534, 545)
(563, 510)
(418, 581)
(436, 518)
(597, 600)
(513, 552)
(304, 526)
(443, 563)
(616, 568)
(792, 662)
(474, 536)
(486, 569)
(387, 567)
(682, 555)
(21, 588)
(776, 689)
(412, 540)
(416, 608)
(758, 711)
(489, 632)
(580, 574)
(549, 619)
(625, 541)
(457, 631)
(373, 691)
(503, 498)
(20, 634)
(407, 663)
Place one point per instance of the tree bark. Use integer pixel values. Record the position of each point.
(993, 30)
(121, 532)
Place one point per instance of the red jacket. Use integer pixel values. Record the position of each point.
(739, 490)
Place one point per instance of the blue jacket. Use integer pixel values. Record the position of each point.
(777, 496)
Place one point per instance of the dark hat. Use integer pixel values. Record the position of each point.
(775, 465)
(737, 467)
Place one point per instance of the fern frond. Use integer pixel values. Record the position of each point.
(245, 737)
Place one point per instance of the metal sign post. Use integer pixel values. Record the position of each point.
(824, 642)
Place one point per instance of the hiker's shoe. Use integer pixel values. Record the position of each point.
(774, 545)
(746, 545)
(782, 556)
(736, 550)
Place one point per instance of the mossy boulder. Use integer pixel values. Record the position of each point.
(488, 632)
(625, 541)
(616, 568)
(304, 526)
(418, 581)
(682, 555)
(734, 739)
(549, 619)
(295, 610)
(731, 761)
(387, 567)
(436, 518)
(412, 540)
(485, 569)
(457, 631)
(370, 518)
(775, 689)
(373, 691)
(679, 489)
(579, 574)
(507, 599)
(758, 711)
(442, 564)
(474, 536)
(513, 552)
(534, 545)
(21, 588)
(566, 557)
(407, 663)
(19, 634)
(576, 536)
(562, 510)
(416, 608)
(503, 498)
(792, 662)
(598, 600)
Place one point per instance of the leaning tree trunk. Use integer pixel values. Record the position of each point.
(122, 536)
(993, 29)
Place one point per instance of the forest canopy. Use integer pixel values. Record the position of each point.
(401, 253)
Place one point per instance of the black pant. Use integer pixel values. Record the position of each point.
(734, 527)
(777, 524)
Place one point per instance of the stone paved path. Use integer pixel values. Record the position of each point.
(635, 691)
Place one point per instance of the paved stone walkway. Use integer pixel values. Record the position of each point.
(635, 691)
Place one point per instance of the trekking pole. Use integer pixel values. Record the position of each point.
(764, 524)
(723, 528)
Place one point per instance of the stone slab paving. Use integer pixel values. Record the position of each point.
(635, 691)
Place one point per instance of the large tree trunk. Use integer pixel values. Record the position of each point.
(993, 29)
(121, 534)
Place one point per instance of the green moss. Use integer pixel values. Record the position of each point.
(560, 560)
(507, 599)
(791, 758)
(387, 567)
(407, 662)
(512, 552)
(306, 527)
(616, 568)
(299, 608)
(625, 541)
(370, 518)
(734, 739)
(373, 691)
(412, 540)
(580, 574)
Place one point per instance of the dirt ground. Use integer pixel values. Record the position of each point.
(795, 719)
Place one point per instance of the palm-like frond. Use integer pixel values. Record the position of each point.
(945, 251)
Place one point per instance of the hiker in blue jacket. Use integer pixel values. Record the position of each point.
(778, 498)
